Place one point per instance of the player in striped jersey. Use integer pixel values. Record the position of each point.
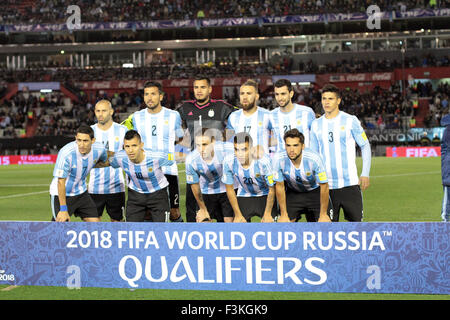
(251, 118)
(160, 128)
(106, 185)
(256, 194)
(147, 188)
(334, 136)
(301, 181)
(68, 189)
(204, 167)
(289, 115)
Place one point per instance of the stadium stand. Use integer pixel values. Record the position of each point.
(75, 59)
(47, 11)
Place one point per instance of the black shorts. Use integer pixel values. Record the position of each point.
(174, 191)
(138, 203)
(81, 206)
(350, 200)
(255, 206)
(218, 206)
(307, 203)
(114, 203)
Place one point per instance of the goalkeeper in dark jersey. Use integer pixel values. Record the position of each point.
(203, 112)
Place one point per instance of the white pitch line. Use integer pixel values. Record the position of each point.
(23, 185)
(22, 195)
(9, 288)
(406, 174)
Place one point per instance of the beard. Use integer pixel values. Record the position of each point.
(283, 105)
(249, 105)
(150, 106)
(202, 101)
(295, 157)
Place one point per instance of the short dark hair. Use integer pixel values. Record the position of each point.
(200, 77)
(85, 129)
(150, 84)
(283, 82)
(243, 137)
(294, 133)
(130, 134)
(210, 133)
(331, 88)
(251, 83)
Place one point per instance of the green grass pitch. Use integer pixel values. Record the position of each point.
(401, 190)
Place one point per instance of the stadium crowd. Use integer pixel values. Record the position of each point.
(54, 11)
(377, 109)
(222, 67)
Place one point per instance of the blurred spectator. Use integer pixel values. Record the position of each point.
(54, 11)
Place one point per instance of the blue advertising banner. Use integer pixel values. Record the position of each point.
(303, 257)
(226, 22)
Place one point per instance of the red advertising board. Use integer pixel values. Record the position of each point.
(265, 81)
(29, 159)
(413, 152)
(422, 73)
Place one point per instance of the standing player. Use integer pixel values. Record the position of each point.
(256, 194)
(251, 119)
(68, 189)
(306, 189)
(160, 128)
(334, 136)
(147, 188)
(445, 168)
(199, 113)
(289, 115)
(106, 185)
(204, 168)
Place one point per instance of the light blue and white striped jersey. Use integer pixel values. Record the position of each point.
(254, 181)
(75, 167)
(146, 176)
(108, 180)
(300, 118)
(159, 132)
(258, 125)
(208, 175)
(335, 140)
(306, 177)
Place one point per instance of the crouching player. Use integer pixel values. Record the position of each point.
(256, 194)
(306, 190)
(147, 187)
(204, 168)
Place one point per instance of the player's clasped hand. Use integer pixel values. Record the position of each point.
(202, 216)
(62, 216)
(284, 219)
(324, 218)
(239, 219)
(267, 218)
